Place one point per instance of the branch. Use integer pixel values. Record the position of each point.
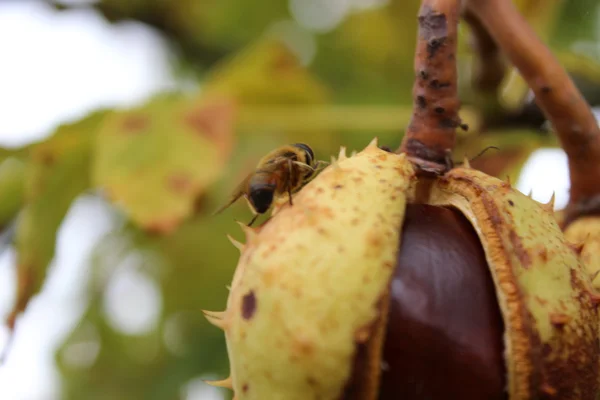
(557, 96)
(431, 134)
(489, 66)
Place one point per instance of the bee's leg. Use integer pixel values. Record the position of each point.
(288, 185)
(302, 165)
(253, 220)
(289, 190)
(320, 165)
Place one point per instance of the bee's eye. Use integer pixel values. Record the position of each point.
(261, 199)
(310, 156)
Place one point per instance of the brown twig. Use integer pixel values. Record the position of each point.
(431, 134)
(556, 95)
(489, 69)
(489, 64)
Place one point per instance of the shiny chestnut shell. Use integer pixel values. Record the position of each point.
(444, 331)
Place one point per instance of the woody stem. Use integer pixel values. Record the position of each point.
(430, 136)
(555, 93)
(489, 66)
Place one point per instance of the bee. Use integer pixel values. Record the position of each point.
(284, 170)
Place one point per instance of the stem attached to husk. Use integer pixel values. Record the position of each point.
(556, 95)
(431, 134)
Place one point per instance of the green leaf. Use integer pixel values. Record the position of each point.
(192, 267)
(57, 171)
(12, 174)
(157, 160)
(266, 72)
(578, 22)
(368, 58)
(227, 24)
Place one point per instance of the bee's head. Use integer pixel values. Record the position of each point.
(261, 197)
(309, 155)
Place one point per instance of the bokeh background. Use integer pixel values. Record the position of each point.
(125, 123)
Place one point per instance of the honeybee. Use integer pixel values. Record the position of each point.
(284, 170)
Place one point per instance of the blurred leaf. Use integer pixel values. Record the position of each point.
(577, 22)
(369, 57)
(12, 174)
(204, 31)
(155, 161)
(514, 149)
(542, 16)
(169, 163)
(266, 72)
(57, 171)
(18, 153)
(227, 24)
(585, 72)
(192, 266)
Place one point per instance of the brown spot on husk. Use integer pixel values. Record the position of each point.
(559, 319)
(519, 249)
(248, 305)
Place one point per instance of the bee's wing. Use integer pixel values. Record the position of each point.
(235, 195)
(241, 187)
(275, 162)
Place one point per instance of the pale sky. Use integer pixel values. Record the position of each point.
(57, 67)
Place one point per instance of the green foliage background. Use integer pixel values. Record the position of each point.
(164, 166)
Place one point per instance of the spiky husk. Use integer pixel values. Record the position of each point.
(309, 283)
(312, 283)
(541, 283)
(584, 234)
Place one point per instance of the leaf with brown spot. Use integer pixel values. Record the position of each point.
(179, 150)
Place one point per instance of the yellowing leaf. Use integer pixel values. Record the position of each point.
(155, 161)
(382, 35)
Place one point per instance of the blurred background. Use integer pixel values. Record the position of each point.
(125, 123)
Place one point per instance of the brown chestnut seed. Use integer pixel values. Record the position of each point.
(444, 331)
